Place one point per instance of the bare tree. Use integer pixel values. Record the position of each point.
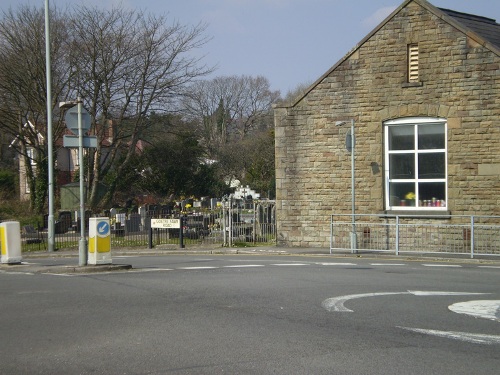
(129, 64)
(229, 109)
(23, 89)
(124, 64)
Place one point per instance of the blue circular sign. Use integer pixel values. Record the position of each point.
(102, 228)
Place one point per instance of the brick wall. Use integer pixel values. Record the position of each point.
(459, 82)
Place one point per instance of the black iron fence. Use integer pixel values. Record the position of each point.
(228, 225)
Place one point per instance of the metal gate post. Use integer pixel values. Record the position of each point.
(472, 237)
(224, 226)
(331, 234)
(254, 226)
(397, 235)
(230, 221)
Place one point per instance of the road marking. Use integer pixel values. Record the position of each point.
(336, 304)
(245, 265)
(442, 265)
(475, 338)
(337, 264)
(289, 264)
(16, 272)
(197, 268)
(387, 264)
(488, 266)
(486, 309)
(440, 293)
(66, 274)
(149, 270)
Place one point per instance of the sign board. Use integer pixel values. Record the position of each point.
(72, 120)
(348, 141)
(165, 223)
(71, 141)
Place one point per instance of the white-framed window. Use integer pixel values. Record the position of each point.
(30, 151)
(416, 164)
(75, 157)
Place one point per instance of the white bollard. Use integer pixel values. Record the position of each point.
(10, 242)
(99, 241)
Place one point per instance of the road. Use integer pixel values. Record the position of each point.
(243, 314)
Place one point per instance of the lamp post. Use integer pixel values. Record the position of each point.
(82, 245)
(351, 145)
(50, 218)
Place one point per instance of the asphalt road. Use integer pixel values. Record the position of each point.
(239, 314)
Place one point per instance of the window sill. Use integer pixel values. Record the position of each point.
(417, 214)
(412, 84)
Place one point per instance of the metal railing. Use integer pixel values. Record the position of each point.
(454, 234)
(223, 227)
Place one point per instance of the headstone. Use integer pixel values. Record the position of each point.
(133, 224)
(120, 218)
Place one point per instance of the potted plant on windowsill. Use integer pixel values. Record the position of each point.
(410, 198)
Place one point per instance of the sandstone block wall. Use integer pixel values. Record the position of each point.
(459, 81)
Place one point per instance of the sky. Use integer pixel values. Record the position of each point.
(290, 42)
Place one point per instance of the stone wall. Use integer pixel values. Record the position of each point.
(459, 82)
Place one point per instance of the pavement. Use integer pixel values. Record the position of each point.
(51, 262)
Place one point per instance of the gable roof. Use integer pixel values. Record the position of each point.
(487, 28)
(485, 31)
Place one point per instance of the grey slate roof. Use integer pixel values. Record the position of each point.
(487, 28)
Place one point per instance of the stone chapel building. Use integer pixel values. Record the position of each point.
(423, 90)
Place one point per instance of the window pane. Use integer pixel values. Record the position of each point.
(431, 137)
(401, 137)
(432, 194)
(431, 165)
(402, 166)
(400, 194)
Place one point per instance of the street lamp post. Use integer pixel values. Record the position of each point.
(353, 186)
(50, 156)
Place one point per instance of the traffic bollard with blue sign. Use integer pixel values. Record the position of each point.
(99, 241)
(10, 242)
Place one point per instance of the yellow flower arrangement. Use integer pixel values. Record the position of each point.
(410, 195)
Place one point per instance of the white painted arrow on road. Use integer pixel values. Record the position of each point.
(486, 309)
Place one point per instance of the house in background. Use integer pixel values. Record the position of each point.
(423, 90)
(66, 162)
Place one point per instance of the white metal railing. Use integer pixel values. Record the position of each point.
(455, 234)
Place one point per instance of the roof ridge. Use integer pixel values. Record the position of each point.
(457, 14)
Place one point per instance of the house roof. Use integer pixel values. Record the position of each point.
(487, 28)
(484, 31)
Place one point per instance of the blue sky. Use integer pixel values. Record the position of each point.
(290, 42)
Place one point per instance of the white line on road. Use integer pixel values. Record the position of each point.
(442, 265)
(475, 338)
(387, 264)
(149, 270)
(488, 266)
(442, 293)
(197, 268)
(337, 303)
(337, 264)
(290, 264)
(245, 265)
